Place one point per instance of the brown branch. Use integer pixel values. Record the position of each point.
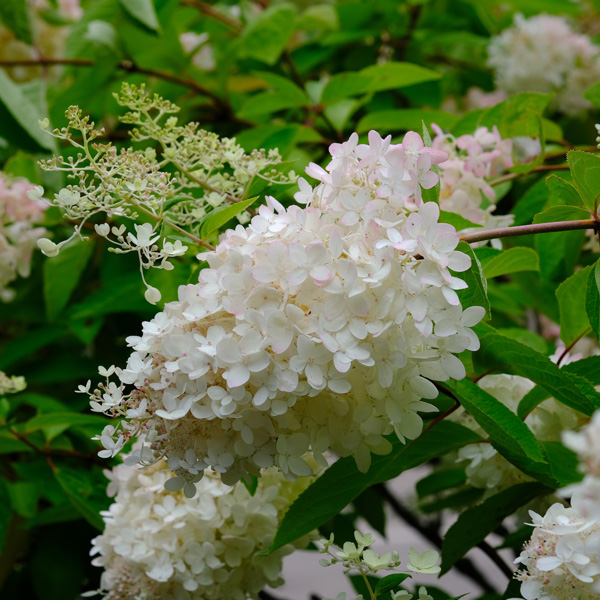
(503, 232)
(511, 176)
(211, 12)
(49, 453)
(124, 65)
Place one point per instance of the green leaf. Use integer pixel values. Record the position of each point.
(592, 300)
(406, 119)
(266, 37)
(5, 512)
(457, 221)
(439, 481)
(64, 419)
(217, 218)
(518, 115)
(15, 16)
(23, 165)
(500, 352)
(474, 524)
(370, 506)
(142, 11)
(431, 194)
(566, 191)
(512, 261)
(250, 483)
(476, 292)
(79, 492)
(342, 482)
(375, 78)
(24, 113)
(585, 168)
(28, 343)
(269, 102)
(62, 274)
(559, 252)
(503, 426)
(563, 462)
(593, 94)
(572, 297)
(122, 292)
(390, 582)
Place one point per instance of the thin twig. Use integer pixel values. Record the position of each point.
(49, 453)
(125, 65)
(511, 176)
(211, 12)
(503, 232)
(495, 558)
(570, 346)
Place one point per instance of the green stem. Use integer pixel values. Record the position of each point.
(511, 176)
(366, 580)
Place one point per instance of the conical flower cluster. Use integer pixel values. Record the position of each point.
(313, 328)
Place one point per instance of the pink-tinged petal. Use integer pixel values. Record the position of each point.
(437, 156)
(341, 362)
(412, 142)
(428, 180)
(322, 274)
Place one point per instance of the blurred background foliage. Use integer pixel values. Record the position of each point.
(296, 76)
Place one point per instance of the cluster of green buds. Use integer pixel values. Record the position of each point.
(167, 189)
(359, 557)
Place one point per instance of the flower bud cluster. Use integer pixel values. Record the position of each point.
(358, 556)
(108, 185)
(316, 328)
(19, 215)
(472, 160)
(544, 54)
(11, 385)
(158, 545)
(562, 559)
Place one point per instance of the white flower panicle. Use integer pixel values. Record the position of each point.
(136, 184)
(312, 329)
(21, 209)
(562, 559)
(158, 545)
(544, 54)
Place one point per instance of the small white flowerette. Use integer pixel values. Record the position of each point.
(314, 328)
(543, 54)
(562, 559)
(158, 545)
